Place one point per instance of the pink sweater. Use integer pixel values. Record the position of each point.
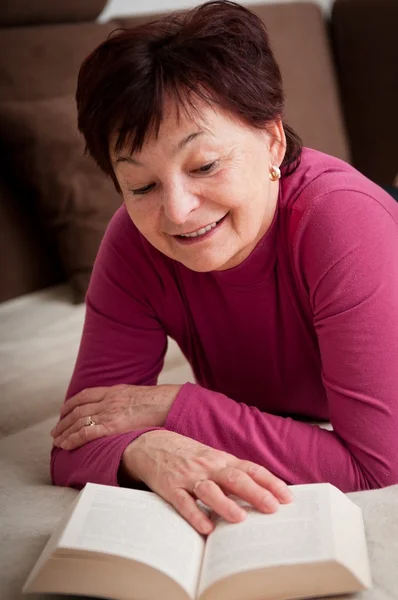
(305, 327)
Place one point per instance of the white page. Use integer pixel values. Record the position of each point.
(137, 525)
(349, 536)
(298, 532)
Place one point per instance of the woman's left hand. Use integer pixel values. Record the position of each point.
(103, 411)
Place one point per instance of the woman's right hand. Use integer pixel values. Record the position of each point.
(181, 469)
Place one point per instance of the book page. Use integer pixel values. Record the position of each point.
(137, 525)
(299, 532)
(351, 549)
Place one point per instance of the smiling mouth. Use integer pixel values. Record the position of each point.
(200, 233)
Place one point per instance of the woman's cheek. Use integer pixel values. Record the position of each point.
(137, 214)
(229, 187)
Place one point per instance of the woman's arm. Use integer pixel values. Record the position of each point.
(122, 342)
(346, 258)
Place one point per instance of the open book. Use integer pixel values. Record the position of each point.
(126, 544)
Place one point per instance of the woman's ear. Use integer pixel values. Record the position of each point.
(277, 142)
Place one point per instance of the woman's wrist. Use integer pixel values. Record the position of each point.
(166, 395)
(130, 469)
(127, 475)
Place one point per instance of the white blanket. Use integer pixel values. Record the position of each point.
(39, 340)
(39, 337)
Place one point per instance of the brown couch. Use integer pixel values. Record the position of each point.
(54, 204)
(342, 97)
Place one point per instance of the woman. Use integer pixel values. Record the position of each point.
(274, 268)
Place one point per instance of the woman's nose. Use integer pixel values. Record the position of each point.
(178, 203)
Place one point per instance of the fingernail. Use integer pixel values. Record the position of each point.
(237, 513)
(285, 495)
(64, 445)
(206, 528)
(270, 503)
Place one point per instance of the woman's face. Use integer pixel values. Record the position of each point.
(200, 192)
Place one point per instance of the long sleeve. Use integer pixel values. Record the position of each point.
(346, 263)
(122, 342)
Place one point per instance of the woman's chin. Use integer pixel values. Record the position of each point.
(214, 257)
(203, 264)
(205, 260)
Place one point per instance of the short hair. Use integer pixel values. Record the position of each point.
(219, 52)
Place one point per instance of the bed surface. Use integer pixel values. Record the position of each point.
(39, 337)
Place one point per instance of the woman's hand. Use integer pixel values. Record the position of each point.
(179, 469)
(112, 410)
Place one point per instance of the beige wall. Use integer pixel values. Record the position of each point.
(128, 7)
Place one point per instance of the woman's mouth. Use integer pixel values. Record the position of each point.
(200, 234)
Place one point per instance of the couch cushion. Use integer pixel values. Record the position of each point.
(74, 199)
(300, 42)
(24, 12)
(40, 62)
(299, 38)
(26, 263)
(43, 61)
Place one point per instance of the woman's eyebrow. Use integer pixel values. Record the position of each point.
(128, 159)
(186, 141)
(181, 144)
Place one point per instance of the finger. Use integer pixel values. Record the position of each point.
(187, 507)
(80, 434)
(233, 480)
(84, 397)
(78, 413)
(268, 481)
(211, 494)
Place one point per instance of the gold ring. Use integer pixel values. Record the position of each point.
(89, 422)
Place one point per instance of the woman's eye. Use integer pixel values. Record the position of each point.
(206, 168)
(143, 190)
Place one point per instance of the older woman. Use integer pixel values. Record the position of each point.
(275, 269)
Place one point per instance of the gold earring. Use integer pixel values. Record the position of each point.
(274, 173)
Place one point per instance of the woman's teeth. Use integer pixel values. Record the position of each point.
(200, 231)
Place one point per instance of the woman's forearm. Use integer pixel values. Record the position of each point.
(97, 461)
(294, 451)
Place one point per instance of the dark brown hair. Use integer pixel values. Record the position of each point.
(219, 52)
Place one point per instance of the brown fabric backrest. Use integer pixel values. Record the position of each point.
(36, 63)
(300, 43)
(365, 34)
(30, 12)
(26, 263)
(39, 63)
(43, 61)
